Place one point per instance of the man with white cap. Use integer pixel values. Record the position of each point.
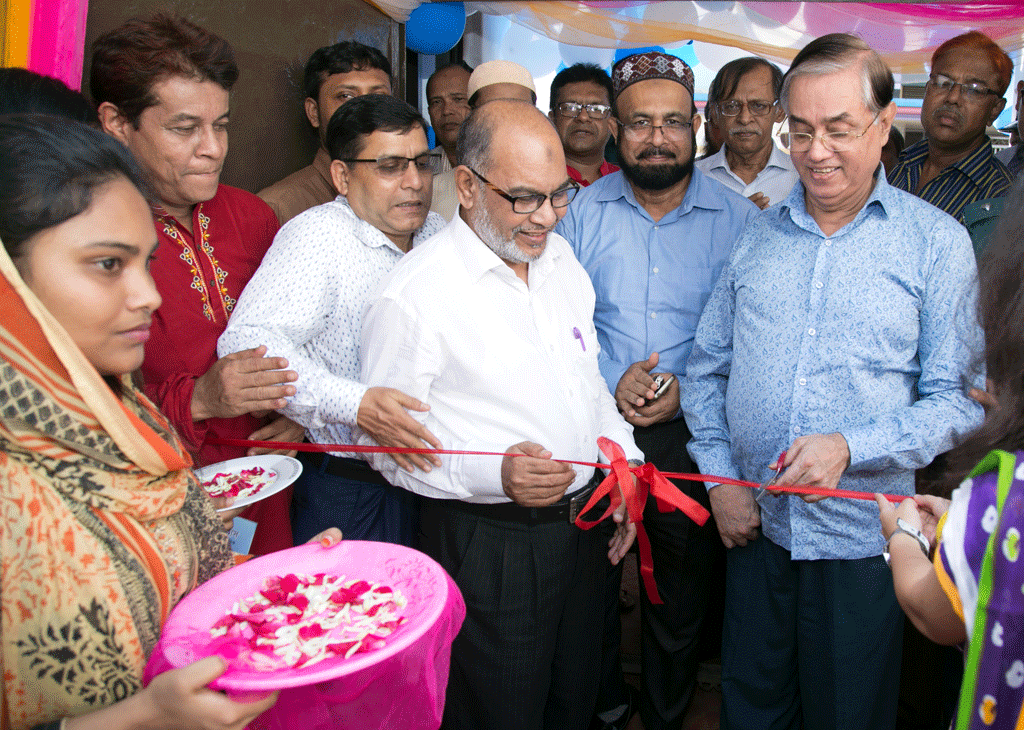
(653, 238)
(490, 81)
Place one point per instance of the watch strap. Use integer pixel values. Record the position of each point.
(907, 529)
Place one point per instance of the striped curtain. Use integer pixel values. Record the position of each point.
(46, 36)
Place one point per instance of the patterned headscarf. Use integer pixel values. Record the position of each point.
(103, 527)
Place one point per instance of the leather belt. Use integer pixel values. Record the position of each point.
(566, 509)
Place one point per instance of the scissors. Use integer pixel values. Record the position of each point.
(764, 489)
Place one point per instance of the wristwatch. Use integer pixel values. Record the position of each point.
(907, 529)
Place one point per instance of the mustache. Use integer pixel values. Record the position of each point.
(532, 231)
(743, 130)
(656, 152)
(951, 111)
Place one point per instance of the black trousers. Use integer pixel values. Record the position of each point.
(686, 558)
(808, 644)
(528, 654)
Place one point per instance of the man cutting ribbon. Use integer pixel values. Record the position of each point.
(490, 322)
(842, 331)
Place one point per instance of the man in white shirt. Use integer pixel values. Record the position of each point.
(491, 323)
(305, 303)
(743, 102)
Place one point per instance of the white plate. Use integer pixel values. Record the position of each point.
(286, 468)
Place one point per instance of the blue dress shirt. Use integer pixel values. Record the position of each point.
(652, 279)
(870, 332)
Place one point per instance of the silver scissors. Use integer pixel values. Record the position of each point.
(764, 489)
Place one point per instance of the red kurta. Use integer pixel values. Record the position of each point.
(200, 276)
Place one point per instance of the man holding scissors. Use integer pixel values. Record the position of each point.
(842, 331)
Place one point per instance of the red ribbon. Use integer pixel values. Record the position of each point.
(649, 482)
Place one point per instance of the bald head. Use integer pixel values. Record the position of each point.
(501, 123)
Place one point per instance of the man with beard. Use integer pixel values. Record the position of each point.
(744, 102)
(954, 165)
(491, 323)
(653, 238)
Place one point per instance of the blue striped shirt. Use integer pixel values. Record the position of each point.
(979, 176)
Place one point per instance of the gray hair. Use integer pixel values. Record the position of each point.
(472, 147)
(837, 52)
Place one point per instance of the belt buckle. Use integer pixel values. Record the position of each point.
(577, 502)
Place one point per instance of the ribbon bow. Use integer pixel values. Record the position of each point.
(649, 482)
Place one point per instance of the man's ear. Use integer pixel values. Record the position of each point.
(695, 120)
(339, 175)
(465, 186)
(312, 112)
(113, 123)
(886, 118)
(997, 110)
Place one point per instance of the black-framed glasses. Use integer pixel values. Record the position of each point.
(974, 90)
(832, 141)
(428, 163)
(573, 109)
(674, 129)
(757, 108)
(525, 204)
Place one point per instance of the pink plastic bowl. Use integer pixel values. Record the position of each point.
(402, 682)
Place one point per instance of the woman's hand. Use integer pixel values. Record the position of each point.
(182, 697)
(179, 700)
(931, 510)
(888, 513)
(227, 517)
(328, 538)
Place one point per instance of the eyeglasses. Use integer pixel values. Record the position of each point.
(673, 129)
(975, 90)
(832, 141)
(394, 167)
(594, 111)
(732, 108)
(524, 204)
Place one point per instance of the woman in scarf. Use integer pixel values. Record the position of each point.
(972, 589)
(103, 526)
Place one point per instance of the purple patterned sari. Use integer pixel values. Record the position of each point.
(980, 568)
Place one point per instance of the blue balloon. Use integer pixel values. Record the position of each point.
(623, 52)
(435, 28)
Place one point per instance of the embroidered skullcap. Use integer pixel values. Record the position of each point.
(499, 72)
(651, 65)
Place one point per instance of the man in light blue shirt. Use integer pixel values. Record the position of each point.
(842, 332)
(654, 238)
